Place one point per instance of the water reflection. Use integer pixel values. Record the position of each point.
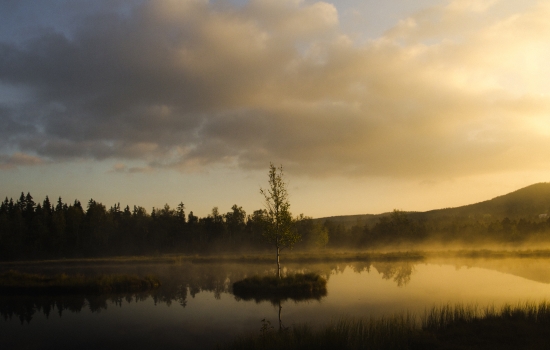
(534, 269)
(266, 324)
(276, 299)
(203, 309)
(185, 281)
(179, 282)
(400, 273)
(25, 307)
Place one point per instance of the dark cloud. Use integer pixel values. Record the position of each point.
(180, 84)
(9, 125)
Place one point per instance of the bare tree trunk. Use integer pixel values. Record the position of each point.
(278, 265)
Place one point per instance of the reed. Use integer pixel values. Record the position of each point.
(447, 316)
(384, 333)
(523, 326)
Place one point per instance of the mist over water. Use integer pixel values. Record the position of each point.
(195, 307)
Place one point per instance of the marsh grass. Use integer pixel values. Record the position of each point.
(18, 282)
(384, 333)
(298, 286)
(524, 326)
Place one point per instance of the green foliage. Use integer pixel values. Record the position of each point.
(279, 225)
(314, 235)
(320, 236)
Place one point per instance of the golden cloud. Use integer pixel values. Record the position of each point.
(452, 90)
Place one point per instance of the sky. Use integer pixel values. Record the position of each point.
(369, 106)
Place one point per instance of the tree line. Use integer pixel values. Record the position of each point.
(400, 227)
(30, 230)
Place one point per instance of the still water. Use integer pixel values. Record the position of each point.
(195, 307)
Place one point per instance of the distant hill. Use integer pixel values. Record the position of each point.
(351, 220)
(528, 202)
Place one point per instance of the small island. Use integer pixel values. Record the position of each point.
(298, 286)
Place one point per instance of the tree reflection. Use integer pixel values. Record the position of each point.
(281, 327)
(276, 300)
(183, 281)
(399, 272)
(179, 282)
(25, 307)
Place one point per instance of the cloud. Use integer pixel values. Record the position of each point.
(123, 168)
(452, 90)
(475, 6)
(18, 159)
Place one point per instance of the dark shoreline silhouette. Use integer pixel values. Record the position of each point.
(46, 230)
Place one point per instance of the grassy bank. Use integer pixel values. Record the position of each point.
(294, 257)
(17, 282)
(114, 260)
(524, 326)
(318, 256)
(296, 286)
(259, 258)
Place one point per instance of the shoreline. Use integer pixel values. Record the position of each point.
(267, 258)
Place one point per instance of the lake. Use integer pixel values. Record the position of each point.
(195, 307)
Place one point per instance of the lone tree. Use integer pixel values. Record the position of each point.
(279, 226)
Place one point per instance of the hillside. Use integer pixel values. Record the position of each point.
(528, 202)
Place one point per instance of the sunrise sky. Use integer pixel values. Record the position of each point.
(368, 105)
